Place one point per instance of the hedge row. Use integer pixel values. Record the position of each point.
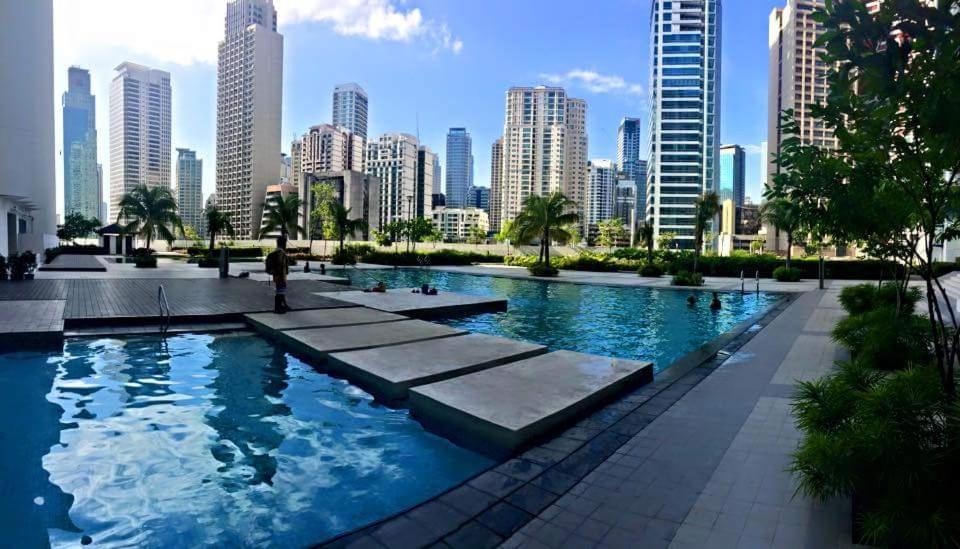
(76, 249)
(439, 257)
(246, 251)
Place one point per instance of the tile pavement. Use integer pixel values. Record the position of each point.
(31, 317)
(710, 471)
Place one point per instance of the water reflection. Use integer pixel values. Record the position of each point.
(223, 441)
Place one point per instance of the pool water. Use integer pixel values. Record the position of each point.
(636, 323)
(222, 440)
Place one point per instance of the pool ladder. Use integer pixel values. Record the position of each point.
(164, 307)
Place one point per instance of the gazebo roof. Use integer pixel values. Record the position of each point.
(112, 229)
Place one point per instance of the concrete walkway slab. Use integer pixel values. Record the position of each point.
(320, 318)
(404, 301)
(504, 408)
(320, 342)
(391, 371)
(30, 321)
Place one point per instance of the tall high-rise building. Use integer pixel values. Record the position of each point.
(544, 149)
(81, 189)
(459, 166)
(478, 197)
(28, 194)
(190, 189)
(437, 176)
(327, 148)
(797, 77)
(601, 191)
(496, 183)
(140, 120)
(763, 165)
(423, 198)
(393, 160)
(732, 174)
(685, 113)
(249, 93)
(625, 204)
(628, 148)
(296, 157)
(350, 108)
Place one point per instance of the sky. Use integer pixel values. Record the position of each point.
(427, 65)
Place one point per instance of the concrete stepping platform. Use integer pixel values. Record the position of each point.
(320, 318)
(317, 343)
(500, 410)
(404, 301)
(389, 372)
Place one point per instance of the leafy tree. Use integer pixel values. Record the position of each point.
(645, 236)
(382, 238)
(785, 216)
(150, 212)
(757, 246)
(343, 224)
(545, 218)
(506, 232)
(476, 235)
(434, 236)
(191, 234)
(283, 214)
(76, 226)
(610, 231)
(321, 216)
(218, 222)
(416, 230)
(665, 240)
(573, 229)
(706, 207)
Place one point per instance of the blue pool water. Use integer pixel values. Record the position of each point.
(637, 323)
(221, 440)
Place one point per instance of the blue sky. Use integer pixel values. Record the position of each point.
(443, 63)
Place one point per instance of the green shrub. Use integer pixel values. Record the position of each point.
(245, 252)
(520, 260)
(346, 256)
(858, 299)
(886, 340)
(4, 272)
(650, 270)
(585, 261)
(542, 269)
(686, 278)
(786, 274)
(886, 441)
(438, 257)
(145, 261)
(208, 262)
(863, 298)
(75, 249)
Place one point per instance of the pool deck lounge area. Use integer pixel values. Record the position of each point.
(610, 455)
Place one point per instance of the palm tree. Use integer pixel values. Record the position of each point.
(343, 224)
(706, 208)
(218, 222)
(283, 214)
(150, 212)
(645, 235)
(545, 218)
(785, 216)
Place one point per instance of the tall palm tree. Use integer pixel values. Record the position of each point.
(218, 222)
(705, 209)
(150, 212)
(343, 224)
(645, 235)
(282, 214)
(785, 216)
(545, 218)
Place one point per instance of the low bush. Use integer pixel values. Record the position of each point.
(520, 260)
(650, 270)
(22, 265)
(887, 441)
(246, 251)
(207, 262)
(586, 261)
(346, 256)
(885, 339)
(786, 274)
(4, 268)
(543, 269)
(862, 298)
(438, 257)
(686, 278)
(145, 262)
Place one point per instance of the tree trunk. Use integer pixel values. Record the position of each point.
(212, 237)
(546, 245)
(789, 247)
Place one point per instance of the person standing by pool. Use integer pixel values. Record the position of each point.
(278, 267)
(715, 303)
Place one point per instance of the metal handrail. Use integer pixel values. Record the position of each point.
(162, 304)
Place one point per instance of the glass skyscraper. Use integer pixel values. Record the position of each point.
(459, 166)
(685, 112)
(732, 165)
(81, 182)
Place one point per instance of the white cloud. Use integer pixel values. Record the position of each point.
(185, 32)
(594, 82)
(374, 19)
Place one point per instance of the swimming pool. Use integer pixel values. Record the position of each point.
(636, 323)
(222, 440)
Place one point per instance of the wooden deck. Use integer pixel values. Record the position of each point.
(117, 301)
(75, 262)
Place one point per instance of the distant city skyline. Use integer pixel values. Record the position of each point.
(468, 79)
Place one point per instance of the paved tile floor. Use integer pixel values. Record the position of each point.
(711, 470)
(31, 317)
